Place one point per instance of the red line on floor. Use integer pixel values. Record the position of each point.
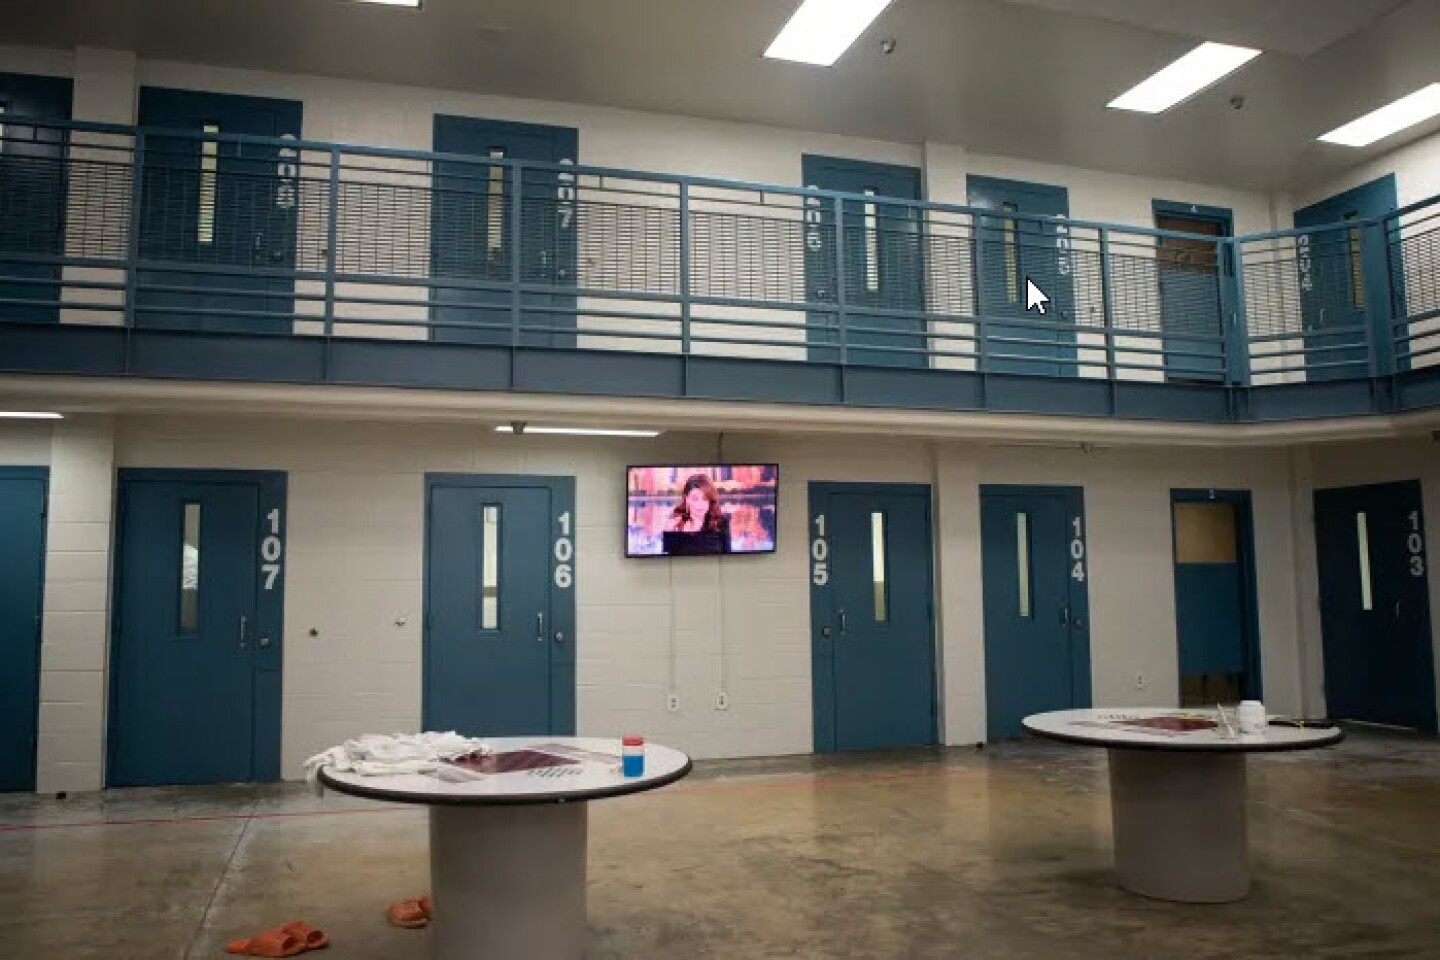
(801, 780)
(809, 779)
(10, 827)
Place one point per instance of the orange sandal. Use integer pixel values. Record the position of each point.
(410, 913)
(271, 943)
(312, 939)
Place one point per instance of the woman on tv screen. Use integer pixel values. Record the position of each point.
(697, 525)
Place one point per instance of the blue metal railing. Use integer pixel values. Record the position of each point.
(146, 227)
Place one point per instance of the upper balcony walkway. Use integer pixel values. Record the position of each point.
(135, 252)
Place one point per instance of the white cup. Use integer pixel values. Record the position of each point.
(1252, 717)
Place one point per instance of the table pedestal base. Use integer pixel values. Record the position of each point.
(1179, 823)
(508, 882)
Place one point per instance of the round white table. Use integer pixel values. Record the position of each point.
(1177, 797)
(508, 850)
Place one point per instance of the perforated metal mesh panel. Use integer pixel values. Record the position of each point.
(382, 243)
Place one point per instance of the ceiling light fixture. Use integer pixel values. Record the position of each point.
(29, 415)
(577, 431)
(822, 30)
(394, 3)
(1198, 69)
(1389, 119)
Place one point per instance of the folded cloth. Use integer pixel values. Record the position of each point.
(388, 755)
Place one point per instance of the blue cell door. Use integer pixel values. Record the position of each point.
(1215, 611)
(872, 616)
(1343, 275)
(1375, 604)
(195, 694)
(32, 196)
(1193, 300)
(217, 219)
(884, 265)
(473, 244)
(22, 565)
(1037, 642)
(499, 576)
(1010, 251)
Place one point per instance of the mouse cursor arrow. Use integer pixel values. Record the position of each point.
(1035, 298)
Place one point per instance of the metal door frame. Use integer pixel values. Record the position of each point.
(1082, 681)
(822, 660)
(43, 475)
(1242, 501)
(268, 678)
(562, 599)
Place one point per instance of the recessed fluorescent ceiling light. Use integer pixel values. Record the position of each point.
(581, 431)
(821, 30)
(394, 3)
(1391, 118)
(29, 415)
(1184, 78)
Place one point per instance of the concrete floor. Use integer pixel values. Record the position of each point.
(997, 854)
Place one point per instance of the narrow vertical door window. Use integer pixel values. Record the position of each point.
(1012, 255)
(1362, 542)
(190, 568)
(878, 573)
(490, 568)
(1357, 266)
(872, 244)
(209, 171)
(495, 208)
(1022, 561)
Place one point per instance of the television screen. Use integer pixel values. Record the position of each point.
(701, 510)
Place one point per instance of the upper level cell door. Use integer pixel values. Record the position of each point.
(883, 261)
(218, 218)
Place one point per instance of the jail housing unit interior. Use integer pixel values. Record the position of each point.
(335, 365)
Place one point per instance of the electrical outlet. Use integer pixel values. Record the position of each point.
(722, 701)
(1139, 681)
(672, 703)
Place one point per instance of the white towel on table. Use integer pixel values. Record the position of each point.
(388, 755)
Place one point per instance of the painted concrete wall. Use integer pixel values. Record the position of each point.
(356, 530)
(646, 629)
(25, 443)
(75, 610)
(631, 247)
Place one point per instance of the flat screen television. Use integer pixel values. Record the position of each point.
(701, 510)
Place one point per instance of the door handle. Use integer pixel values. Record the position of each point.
(244, 622)
(540, 626)
(1064, 614)
(844, 623)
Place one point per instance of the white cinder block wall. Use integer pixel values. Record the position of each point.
(388, 115)
(75, 628)
(356, 505)
(647, 627)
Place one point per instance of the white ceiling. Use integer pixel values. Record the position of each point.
(1296, 27)
(1024, 78)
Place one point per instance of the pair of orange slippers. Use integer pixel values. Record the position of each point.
(410, 913)
(287, 941)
